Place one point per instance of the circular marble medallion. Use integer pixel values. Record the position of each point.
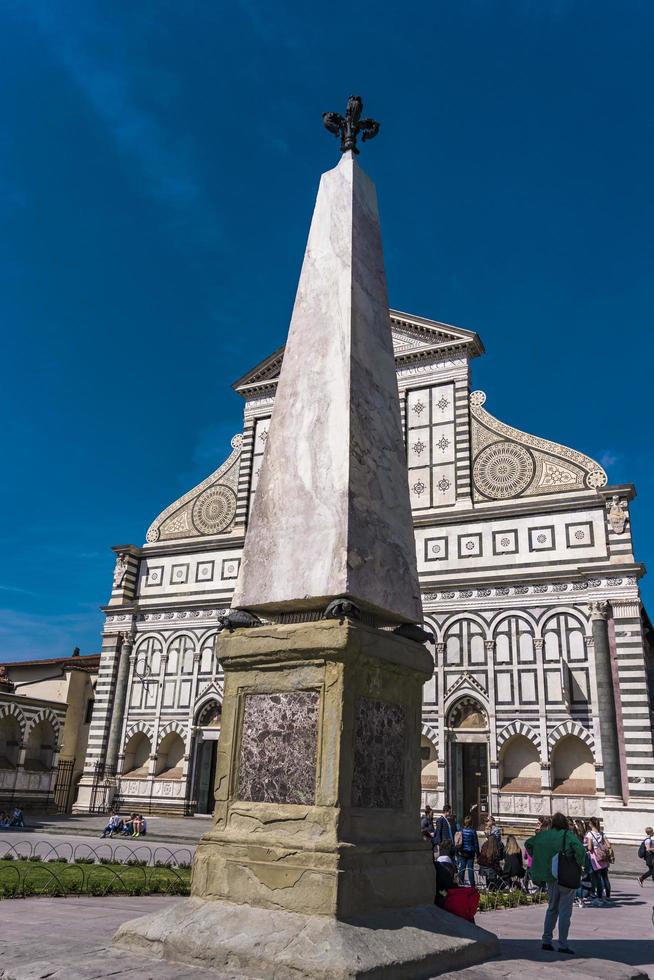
(214, 509)
(503, 469)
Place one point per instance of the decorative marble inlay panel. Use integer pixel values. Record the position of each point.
(503, 469)
(278, 747)
(379, 754)
(214, 509)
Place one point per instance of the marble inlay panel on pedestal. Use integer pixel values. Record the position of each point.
(379, 754)
(278, 747)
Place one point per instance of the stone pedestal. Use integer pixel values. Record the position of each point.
(317, 810)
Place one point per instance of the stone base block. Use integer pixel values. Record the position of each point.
(626, 824)
(263, 944)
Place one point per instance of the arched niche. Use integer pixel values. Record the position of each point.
(519, 766)
(170, 756)
(137, 753)
(9, 742)
(41, 747)
(573, 768)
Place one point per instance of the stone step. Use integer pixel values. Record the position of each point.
(565, 968)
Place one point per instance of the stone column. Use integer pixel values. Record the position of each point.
(599, 614)
(120, 699)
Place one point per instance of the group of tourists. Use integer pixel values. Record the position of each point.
(133, 826)
(14, 819)
(569, 859)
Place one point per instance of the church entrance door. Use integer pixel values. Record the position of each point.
(470, 781)
(207, 753)
(467, 735)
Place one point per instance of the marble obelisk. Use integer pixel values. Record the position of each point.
(314, 868)
(331, 516)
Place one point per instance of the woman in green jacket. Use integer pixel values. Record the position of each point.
(542, 848)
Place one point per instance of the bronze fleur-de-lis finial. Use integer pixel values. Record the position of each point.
(351, 124)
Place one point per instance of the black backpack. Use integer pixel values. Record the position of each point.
(642, 851)
(568, 872)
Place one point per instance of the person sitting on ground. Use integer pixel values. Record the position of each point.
(4, 819)
(139, 824)
(543, 847)
(17, 818)
(490, 861)
(646, 854)
(467, 851)
(512, 866)
(114, 825)
(128, 826)
(461, 900)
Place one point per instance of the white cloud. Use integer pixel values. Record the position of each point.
(609, 458)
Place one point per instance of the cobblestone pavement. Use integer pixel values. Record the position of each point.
(69, 939)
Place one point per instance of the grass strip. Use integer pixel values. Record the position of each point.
(19, 879)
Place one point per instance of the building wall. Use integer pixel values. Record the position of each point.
(28, 780)
(516, 537)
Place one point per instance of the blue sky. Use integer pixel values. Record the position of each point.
(158, 164)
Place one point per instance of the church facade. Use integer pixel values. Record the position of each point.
(541, 697)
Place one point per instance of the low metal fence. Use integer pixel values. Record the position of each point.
(115, 852)
(62, 869)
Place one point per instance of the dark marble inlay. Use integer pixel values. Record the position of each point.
(278, 747)
(379, 754)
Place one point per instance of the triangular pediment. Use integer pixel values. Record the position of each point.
(414, 339)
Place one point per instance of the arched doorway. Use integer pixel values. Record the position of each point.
(467, 735)
(207, 727)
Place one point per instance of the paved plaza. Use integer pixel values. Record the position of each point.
(74, 936)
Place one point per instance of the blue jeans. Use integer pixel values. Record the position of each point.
(601, 882)
(467, 864)
(559, 906)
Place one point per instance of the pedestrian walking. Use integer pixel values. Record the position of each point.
(600, 850)
(467, 851)
(560, 843)
(646, 854)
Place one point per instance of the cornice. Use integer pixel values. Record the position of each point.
(440, 341)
